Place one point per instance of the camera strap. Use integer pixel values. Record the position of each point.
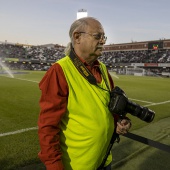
(115, 137)
(82, 69)
(147, 141)
(85, 72)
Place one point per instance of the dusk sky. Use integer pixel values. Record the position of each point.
(39, 22)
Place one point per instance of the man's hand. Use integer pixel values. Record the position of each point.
(123, 126)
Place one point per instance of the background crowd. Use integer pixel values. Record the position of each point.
(41, 57)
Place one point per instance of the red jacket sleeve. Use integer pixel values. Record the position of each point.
(53, 103)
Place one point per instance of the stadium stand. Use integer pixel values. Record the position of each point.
(152, 57)
(30, 57)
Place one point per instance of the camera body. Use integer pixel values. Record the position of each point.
(119, 104)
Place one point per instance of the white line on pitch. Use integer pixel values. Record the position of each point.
(153, 104)
(18, 131)
(20, 79)
(141, 100)
(27, 80)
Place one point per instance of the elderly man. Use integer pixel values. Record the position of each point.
(75, 124)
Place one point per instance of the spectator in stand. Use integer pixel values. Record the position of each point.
(75, 124)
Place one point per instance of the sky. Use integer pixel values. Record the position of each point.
(39, 22)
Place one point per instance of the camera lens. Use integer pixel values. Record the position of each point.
(142, 113)
(147, 115)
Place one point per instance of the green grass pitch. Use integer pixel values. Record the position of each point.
(19, 109)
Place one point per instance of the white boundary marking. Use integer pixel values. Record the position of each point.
(112, 74)
(18, 131)
(27, 80)
(20, 79)
(141, 100)
(153, 104)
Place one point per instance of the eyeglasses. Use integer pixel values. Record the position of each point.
(97, 36)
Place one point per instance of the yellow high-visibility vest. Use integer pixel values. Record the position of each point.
(88, 125)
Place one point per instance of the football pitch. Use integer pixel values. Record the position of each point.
(19, 109)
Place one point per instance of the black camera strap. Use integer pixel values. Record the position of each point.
(85, 72)
(115, 137)
(147, 141)
(82, 69)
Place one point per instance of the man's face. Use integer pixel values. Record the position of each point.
(91, 42)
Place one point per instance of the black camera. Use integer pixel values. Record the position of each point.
(119, 104)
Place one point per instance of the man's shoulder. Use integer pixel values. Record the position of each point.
(62, 59)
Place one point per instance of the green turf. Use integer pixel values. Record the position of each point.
(130, 154)
(19, 109)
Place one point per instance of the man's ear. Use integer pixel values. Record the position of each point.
(76, 37)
